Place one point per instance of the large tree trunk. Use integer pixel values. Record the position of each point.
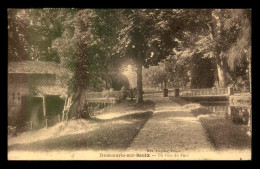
(81, 103)
(222, 76)
(139, 83)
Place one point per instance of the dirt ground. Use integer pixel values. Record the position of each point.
(172, 127)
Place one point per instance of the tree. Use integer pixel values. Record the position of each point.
(93, 43)
(31, 32)
(155, 75)
(239, 55)
(178, 70)
(219, 39)
(223, 36)
(202, 72)
(45, 26)
(17, 35)
(86, 48)
(81, 40)
(143, 40)
(184, 28)
(211, 32)
(173, 70)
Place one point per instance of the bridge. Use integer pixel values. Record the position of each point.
(207, 94)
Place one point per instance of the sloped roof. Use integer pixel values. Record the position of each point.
(51, 90)
(35, 67)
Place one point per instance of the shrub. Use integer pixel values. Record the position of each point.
(11, 130)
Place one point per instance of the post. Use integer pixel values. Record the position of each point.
(177, 92)
(64, 108)
(46, 123)
(230, 91)
(229, 110)
(250, 119)
(131, 94)
(43, 104)
(139, 98)
(165, 92)
(31, 122)
(213, 109)
(67, 116)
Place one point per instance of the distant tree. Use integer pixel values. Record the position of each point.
(45, 26)
(31, 32)
(178, 69)
(155, 75)
(172, 70)
(202, 72)
(18, 24)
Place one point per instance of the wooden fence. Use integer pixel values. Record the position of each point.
(104, 97)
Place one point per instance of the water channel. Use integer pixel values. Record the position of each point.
(240, 115)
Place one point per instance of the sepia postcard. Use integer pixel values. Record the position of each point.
(129, 84)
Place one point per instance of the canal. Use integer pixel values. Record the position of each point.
(240, 115)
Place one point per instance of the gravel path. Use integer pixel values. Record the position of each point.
(171, 128)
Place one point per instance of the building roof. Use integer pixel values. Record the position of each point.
(51, 90)
(35, 67)
(42, 67)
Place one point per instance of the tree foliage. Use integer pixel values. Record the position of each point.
(221, 35)
(172, 71)
(142, 38)
(93, 43)
(17, 35)
(215, 33)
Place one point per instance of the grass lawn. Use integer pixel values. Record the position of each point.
(222, 132)
(115, 133)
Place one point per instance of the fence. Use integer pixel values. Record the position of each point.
(151, 90)
(52, 120)
(205, 92)
(44, 122)
(49, 121)
(97, 102)
(157, 92)
(103, 97)
(104, 94)
(95, 108)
